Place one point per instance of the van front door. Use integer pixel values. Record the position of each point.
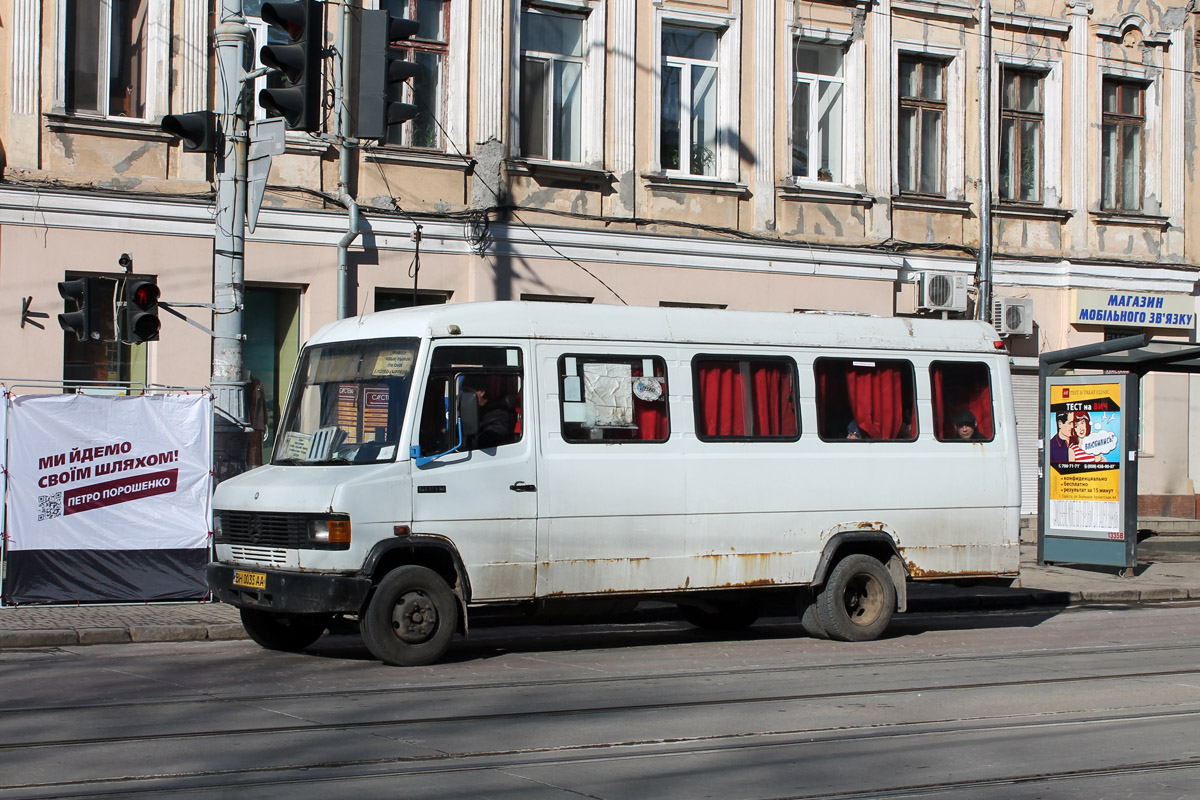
(481, 492)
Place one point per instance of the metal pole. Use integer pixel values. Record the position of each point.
(346, 289)
(983, 308)
(228, 379)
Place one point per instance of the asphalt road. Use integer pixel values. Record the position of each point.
(1095, 702)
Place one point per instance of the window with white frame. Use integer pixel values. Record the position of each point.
(688, 122)
(1122, 144)
(429, 50)
(818, 84)
(1022, 133)
(553, 51)
(921, 137)
(105, 57)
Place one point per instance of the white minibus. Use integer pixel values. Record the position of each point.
(435, 461)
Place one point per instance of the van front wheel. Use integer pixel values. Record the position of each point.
(411, 618)
(858, 600)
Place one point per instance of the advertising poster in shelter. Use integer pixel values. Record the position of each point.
(1084, 453)
(109, 498)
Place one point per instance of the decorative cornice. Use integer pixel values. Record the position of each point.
(933, 8)
(107, 126)
(1025, 23)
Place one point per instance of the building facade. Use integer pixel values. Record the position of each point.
(753, 154)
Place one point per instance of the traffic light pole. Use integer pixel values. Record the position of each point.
(346, 288)
(228, 377)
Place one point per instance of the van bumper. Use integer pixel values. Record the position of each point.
(287, 592)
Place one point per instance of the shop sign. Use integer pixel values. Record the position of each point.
(1133, 309)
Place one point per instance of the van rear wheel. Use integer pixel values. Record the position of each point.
(411, 618)
(806, 609)
(858, 600)
(287, 632)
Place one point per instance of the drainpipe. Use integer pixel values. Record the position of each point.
(983, 308)
(346, 300)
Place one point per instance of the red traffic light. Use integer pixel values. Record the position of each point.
(144, 294)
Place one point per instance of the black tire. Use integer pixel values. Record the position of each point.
(411, 618)
(287, 632)
(728, 615)
(858, 600)
(806, 609)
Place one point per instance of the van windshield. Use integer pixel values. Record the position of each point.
(347, 403)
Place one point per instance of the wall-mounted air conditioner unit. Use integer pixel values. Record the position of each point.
(1013, 316)
(943, 291)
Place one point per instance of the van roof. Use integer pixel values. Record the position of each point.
(542, 320)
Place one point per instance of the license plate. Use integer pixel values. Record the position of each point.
(250, 580)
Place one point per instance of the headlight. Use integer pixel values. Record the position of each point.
(329, 531)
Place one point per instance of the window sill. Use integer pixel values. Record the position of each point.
(912, 202)
(1130, 218)
(117, 127)
(1022, 211)
(419, 158)
(558, 170)
(663, 182)
(822, 192)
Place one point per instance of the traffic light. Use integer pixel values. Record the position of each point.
(298, 101)
(379, 74)
(139, 318)
(196, 129)
(86, 321)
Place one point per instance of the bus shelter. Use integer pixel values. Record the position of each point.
(1088, 434)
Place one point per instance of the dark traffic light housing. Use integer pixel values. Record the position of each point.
(139, 317)
(87, 320)
(378, 74)
(196, 129)
(298, 101)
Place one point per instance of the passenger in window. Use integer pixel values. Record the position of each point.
(966, 426)
(855, 432)
(497, 417)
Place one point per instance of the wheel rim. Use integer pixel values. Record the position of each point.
(863, 599)
(415, 617)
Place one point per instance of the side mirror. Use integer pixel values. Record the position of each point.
(468, 413)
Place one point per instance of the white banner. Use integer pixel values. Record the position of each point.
(109, 473)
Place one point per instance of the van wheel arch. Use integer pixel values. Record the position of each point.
(435, 553)
(879, 543)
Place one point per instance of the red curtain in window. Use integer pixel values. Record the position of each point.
(954, 391)
(722, 412)
(774, 405)
(875, 399)
(650, 416)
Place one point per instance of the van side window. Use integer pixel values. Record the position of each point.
(613, 398)
(744, 398)
(962, 401)
(865, 399)
(493, 375)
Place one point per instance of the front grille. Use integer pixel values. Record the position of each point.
(276, 557)
(288, 531)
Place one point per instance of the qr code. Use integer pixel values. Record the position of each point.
(49, 506)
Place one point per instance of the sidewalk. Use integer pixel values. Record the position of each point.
(1174, 574)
